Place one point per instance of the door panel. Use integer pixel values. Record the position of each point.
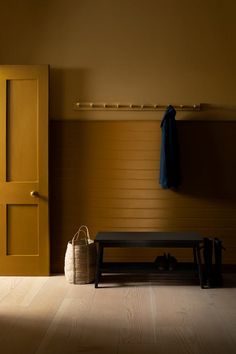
(22, 123)
(24, 225)
(25, 219)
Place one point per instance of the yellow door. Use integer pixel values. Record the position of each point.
(24, 225)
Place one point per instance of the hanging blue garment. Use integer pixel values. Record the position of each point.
(169, 160)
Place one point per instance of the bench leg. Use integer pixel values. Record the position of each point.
(195, 260)
(99, 264)
(199, 263)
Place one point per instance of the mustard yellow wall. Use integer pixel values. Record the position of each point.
(105, 173)
(172, 51)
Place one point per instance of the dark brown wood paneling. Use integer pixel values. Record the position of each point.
(105, 175)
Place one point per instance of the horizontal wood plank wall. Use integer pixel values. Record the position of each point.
(105, 175)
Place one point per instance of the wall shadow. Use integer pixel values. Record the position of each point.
(207, 159)
(66, 86)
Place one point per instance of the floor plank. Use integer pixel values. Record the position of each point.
(47, 315)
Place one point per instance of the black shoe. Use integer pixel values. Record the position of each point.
(172, 262)
(207, 254)
(161, 262)
(218, 262)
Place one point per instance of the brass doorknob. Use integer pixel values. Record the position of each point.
(34, 194)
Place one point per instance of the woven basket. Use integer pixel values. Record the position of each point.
(80, 258)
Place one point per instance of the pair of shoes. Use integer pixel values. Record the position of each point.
(166, 262)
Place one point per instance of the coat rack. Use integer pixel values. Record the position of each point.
(90, 106)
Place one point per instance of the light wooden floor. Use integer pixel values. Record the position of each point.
(47, 315)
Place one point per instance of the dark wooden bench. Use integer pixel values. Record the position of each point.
(145, 239)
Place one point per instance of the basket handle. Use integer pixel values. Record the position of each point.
(78, 233)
